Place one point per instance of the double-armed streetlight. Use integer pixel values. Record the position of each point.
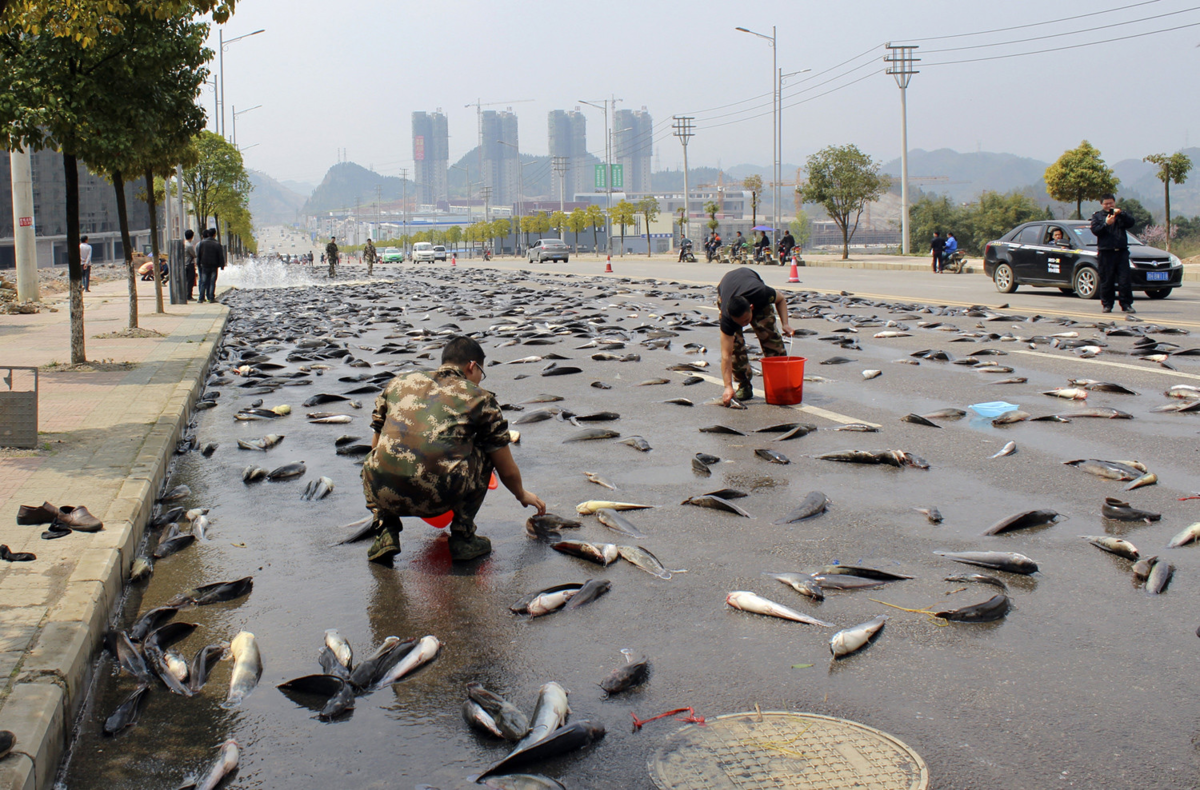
(236, 113)
(607, 168)
(222, 44)
(774, 42)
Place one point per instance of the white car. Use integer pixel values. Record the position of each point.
(423, 252)
(439, 253)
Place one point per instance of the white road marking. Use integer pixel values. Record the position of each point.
(1121, 365)
(815, 411)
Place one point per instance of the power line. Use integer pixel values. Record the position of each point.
(1038, 24)
(1068, 33)
(1062, 48)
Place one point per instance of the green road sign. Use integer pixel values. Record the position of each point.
(601, 182)
(618, 176)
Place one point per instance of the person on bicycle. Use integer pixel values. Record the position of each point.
(949, 250)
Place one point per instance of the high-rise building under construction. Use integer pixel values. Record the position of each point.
(633, 147)
(568, 139)
(431, 156)
(501, 156)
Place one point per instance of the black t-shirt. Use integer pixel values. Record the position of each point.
(742, 281)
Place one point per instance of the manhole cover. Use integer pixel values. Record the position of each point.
(745, 751)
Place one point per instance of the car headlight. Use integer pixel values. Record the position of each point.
(1175, 261)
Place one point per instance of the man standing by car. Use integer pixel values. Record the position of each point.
(1110, 225)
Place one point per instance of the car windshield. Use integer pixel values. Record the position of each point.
(1088, 239)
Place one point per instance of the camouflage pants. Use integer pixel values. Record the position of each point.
(332, 267)
(762, 321)
(391, 500)
(370, 266)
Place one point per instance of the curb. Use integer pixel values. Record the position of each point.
(54, 677)
(970, 268)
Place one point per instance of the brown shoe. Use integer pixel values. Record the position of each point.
(29, 515)
(79, 519)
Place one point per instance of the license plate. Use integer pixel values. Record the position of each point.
(1157, 276)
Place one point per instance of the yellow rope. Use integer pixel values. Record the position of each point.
(938, 621)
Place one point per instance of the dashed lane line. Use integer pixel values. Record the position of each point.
(815, 411)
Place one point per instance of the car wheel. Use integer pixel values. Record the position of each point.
(1087, 283)
(1159, 293)
(1005, 281)
(567, 259)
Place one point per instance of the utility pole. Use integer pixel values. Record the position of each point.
(487, 203)
(900, 62)
(685, 130)
(24, 235)
(404, 209)
(560, 167)
(607, 168)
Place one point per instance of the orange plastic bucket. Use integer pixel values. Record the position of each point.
(783, 380)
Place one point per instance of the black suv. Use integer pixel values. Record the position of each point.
(1029, 255)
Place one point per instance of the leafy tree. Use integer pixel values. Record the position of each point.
(843, 180)
(577, 220)
(1188, 228)
(994, 215)
(454, 235)
(595, 217)
(801, 228)
(754, 184)
(1141, 215)
(499, 229)
(932, 213)
(1172, 169)
(1078, 175)
(85, 22)
(529, 225)
(648, 208)
(711, 208)
(558, 221)
(218, 182)
(623, 214)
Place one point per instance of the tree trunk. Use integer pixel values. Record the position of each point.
(1078, 207)
(753, 209)
(595, 239)
(152, 204)
(74, 267)
(647, 235)
(1167, 200)
(845, 241)
(123, 220)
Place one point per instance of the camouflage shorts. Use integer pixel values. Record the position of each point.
(391, 500)
(762, 321)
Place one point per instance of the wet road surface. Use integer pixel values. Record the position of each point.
(1085, 683)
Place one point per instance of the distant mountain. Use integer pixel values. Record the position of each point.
(963, 177)
(299, 187)
(271, 202)
(347, 183)
(672, 180)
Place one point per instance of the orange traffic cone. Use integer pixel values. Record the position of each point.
(608, 266)
(794, 275)
(454, 260)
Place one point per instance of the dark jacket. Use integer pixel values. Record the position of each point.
(937, 245)
(210, 255)
(1112, 237)
(787, 242)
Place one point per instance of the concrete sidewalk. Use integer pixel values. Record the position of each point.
(107, 434)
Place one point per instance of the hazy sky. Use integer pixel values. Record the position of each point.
(349, 75)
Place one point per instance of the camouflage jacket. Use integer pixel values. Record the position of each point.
(331, 251)
(369, 253)
(430, 424)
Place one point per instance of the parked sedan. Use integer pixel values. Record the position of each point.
(549, 250)
(391, 255)
(1029, 255)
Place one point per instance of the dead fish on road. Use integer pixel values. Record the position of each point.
(1122, 511)
(592, 434)
(317, 489)
(547, 527)
(977, 578)
(945, 414)
(1101, 412)
(598, 480)
(509, 721)
(998, 560)
(1147, 479)
(1101, 386)
(617, 523)
(863, 572)
(993, 608)
(932, 513)
(1159, 578)
(772, 456)
(534, 416)
(247, 668)
(599, 553)
(1113, 470)
(590, 591)
(897, 458)
(1024, 520)
(1122, 548)
(871, 374)
(917, 419)
(332, 419)
(1011, 417)
(562, 370)
(814, 504)
(800, 430)
(592, 505)
(217, 592)
(637, 443)
(851, 640)
(1188, 535)
(721, 429)
(222, 766)
(716, 503)
(652, 382)
(858, 427)
(600, 416)
(1069, 393)
(287, 471)
(701, 468)
(1007, 449)
(642, 558)
(750, 602)
(625, 677)
(568, 738)
(802, 583)
(175, 494)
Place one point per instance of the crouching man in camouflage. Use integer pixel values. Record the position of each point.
(438, 435)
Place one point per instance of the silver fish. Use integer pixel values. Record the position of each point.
(1122, 548)
(1007, 449)
(750, 602)
(425, 651)
(340, 647)
(642, 558)
(1188, 535)
(549, 713)
(801, 583)
(851, 640)
(617, 523)
(247, 668)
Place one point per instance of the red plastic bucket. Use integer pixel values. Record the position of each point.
(443, 521)
(783, 380)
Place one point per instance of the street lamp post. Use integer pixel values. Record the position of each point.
(774, 126)
(235, 114)
(607, 173)
(222, 43)
(521, 171)
(779, 152)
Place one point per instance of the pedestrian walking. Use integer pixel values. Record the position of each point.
(210, 258)
(370, 256)
(744, 299)
(437, 437)
(936, 247)
(1110, 225)
(189, 258)
(85, 262)
(331, 255)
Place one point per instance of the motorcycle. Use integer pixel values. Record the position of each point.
(487, 254)
(685, 253)
(955, 263)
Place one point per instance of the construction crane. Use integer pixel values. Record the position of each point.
(479, 105)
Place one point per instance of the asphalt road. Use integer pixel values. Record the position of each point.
(1084, 684)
